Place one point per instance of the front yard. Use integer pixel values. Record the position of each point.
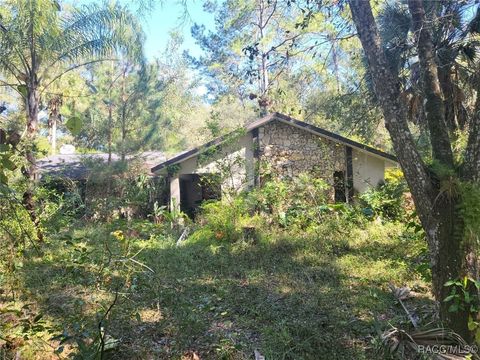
(314, 296)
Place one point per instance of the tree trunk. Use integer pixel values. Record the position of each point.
(451, 111)
(124, 137)
(109, 133)
(450, 255)
(30, 168)
(263, 101)
(335, 62)
(471, 166)
(110, 118)
(124, 115)
(54, 105)
(53, 136)
(450, 263)
(434, 105)
(438, 210)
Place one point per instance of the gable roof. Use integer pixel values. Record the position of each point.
(284, 119)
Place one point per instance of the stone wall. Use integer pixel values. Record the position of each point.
(288, 151)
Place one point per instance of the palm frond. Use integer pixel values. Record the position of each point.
(469, 51)
(394, 25)
(402, 344)
(100, 30)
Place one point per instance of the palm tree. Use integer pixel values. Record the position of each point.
(455, 38)
(40, 42)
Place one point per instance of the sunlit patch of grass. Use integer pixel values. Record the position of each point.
(291, 295)
(149, 315)
(365, 270)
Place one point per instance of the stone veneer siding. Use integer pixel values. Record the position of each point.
(288, 151)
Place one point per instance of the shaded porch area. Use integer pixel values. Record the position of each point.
(188, 191)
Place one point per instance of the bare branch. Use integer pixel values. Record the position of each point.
(71, 69)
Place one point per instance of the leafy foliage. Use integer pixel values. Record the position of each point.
(470, 212)
(222, 221)
(6, 163)
(387, 200)
(273, 204)
(307, 205)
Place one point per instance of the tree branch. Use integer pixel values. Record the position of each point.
(71, 69)
(434, 105)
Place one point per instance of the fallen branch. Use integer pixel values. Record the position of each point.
(258, 356)
(402, 293)
(184, 235)
(141, 264)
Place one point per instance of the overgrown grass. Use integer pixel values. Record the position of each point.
(291, 295)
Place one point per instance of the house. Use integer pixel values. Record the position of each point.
(275, 145)
(104, 188)
(78, 167)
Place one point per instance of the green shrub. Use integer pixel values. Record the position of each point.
(59, 203)
(299, 202)
(387, 200)
(121, 190)
(17, 234)
(224, 219)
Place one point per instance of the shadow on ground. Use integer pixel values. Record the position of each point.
(290, 298)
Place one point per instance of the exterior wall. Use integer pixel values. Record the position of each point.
(281, 150)
(391, 164)
(235, 159)
(368, 171)
(289, 151)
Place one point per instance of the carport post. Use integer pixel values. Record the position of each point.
(175, 193)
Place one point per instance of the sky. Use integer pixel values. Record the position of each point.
(168, 17)
(173, 16)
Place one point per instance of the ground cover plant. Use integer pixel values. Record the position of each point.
(312, 284)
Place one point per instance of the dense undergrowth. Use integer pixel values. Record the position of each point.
(310, 281)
